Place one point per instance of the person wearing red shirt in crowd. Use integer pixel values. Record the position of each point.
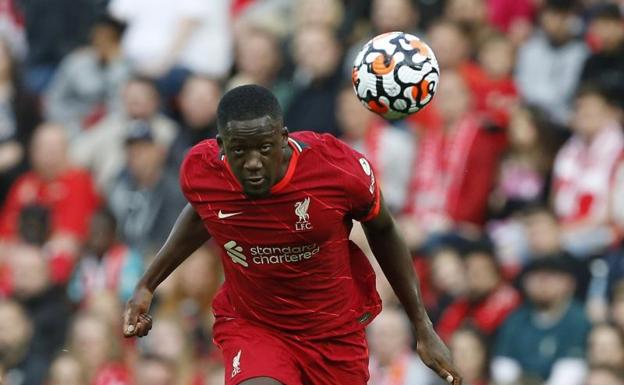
(583, 173)
(493, 85)
(68, 192)
(297, 293)
(489, 298)
(454, 168)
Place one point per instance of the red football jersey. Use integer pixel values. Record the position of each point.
(287, 258)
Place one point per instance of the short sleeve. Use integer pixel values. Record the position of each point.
(360, 183)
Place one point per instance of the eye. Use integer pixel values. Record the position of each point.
(266, 148)
(238, 151)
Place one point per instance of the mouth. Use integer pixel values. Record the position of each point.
(255, 181)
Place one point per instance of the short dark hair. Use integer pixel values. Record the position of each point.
(108, 216)
(115, 24)
(609, 12)
(598, 89)
(247, 102)
(561, 6)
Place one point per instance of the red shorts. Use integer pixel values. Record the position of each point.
(251, 351)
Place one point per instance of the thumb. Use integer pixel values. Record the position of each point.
(451, 378)
(130, 320)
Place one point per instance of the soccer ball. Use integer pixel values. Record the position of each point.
(395, 74)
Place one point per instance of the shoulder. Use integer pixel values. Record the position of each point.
(205, 152)
(78, 175)
(325, 145)
(577, 316)
(518, 318)
(204, 156)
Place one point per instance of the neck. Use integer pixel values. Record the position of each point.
(552, 313)
(149, 178)
(288, 152)
(109, 54)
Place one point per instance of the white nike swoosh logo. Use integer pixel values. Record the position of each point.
(223, 215)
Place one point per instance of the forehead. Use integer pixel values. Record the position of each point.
(252, 129)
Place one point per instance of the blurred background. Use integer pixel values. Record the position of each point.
(509, 187)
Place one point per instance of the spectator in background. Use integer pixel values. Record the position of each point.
(448, 279)
(525, 167)
(602, 375)
(97, 349)
(617, 305)
(606, 346)
(512, 17)
(89, 80)
(190, 295)
(317, 54)
(451, 46)
(151, 369)
(17, 366)
(198, 108)
(106, 265)
(471, 15)
(385, 16)
(582, 173)
(19, 115)
(550, 63)
(391, 360)
(488, 300)
(145, 198)
(259, 60)
(493, 85)
(197, 102)
(616, 200)
(169, 341)
(46, 307)
(12, 27)
(390, 149)
(455, 166)
(66, 370)
(326, 13)
(605, 66)
(55, 183)
(453, 51)
(543, 241)
(393, 15)
(545, 338)
(469, 348)
(102, 150)
(53, 29)
(168, 39)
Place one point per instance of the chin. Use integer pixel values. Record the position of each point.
(257, 193)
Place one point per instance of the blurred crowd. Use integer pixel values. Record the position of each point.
(509, 187)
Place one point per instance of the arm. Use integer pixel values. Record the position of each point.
(183, 34)
(396, 263)
(187, 235)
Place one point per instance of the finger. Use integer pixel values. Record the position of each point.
(450, 376)
(144, 325)
(445, 374)
(130, 321)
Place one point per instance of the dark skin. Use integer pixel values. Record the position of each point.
(258, 153)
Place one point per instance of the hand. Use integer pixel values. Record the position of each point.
(137, 321)
(436, 356)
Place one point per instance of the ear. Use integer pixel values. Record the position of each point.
(220, 143)
(284, 136)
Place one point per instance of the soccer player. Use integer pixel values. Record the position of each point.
(297, 293)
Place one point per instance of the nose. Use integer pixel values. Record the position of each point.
(253, 163)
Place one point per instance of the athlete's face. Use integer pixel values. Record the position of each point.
(255, 150)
